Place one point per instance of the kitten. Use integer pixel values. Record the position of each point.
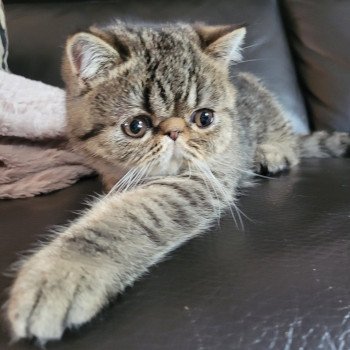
(156, 104)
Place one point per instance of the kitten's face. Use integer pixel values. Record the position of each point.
(155, 100)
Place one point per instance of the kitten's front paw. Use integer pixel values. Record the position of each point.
(52, 293)
(271, 160)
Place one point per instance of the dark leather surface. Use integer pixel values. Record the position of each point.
(283, 283)
(37, 32)
(320, 35)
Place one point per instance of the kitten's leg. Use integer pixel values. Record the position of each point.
(277, 149)
(69, 280)
(264, 120)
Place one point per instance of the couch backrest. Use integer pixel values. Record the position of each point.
(319, 34)
(38, 29)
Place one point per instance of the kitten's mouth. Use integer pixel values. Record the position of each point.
(172, 158)
(177, 150)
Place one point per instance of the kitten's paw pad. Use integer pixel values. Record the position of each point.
(269, 160)
(50, 295)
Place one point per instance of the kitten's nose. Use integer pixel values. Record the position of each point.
(173, 134)
(172, 127)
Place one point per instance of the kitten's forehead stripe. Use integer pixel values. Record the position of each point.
(171, 72)
(122, 48)
(146, 100)
(162, 92)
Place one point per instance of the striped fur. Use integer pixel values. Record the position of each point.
(171, 190)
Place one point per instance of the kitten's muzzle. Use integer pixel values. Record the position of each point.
(172, 127)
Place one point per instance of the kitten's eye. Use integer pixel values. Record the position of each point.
(203, 117)
(137, 126)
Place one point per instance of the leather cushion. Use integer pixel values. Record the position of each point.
(282, 283)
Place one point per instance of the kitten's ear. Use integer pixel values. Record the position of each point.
(90, 56)
(222, 42)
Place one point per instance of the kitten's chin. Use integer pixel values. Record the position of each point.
(172, 161)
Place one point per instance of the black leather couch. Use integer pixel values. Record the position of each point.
(281, 283)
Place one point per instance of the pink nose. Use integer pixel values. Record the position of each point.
(172, 127)
(173, 134)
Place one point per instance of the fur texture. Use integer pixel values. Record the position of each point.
(155, 103)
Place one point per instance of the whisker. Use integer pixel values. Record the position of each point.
(217, 209)
(228, 200)
(132, 178)
(120, 182)
(255, 60)
(125, 181)
(136, 180)
(206, 178)
(249, 46)
(212, 192)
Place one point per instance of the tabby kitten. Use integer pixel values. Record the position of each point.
(156, 104)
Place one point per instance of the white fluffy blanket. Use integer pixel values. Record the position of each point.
(33, 156)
